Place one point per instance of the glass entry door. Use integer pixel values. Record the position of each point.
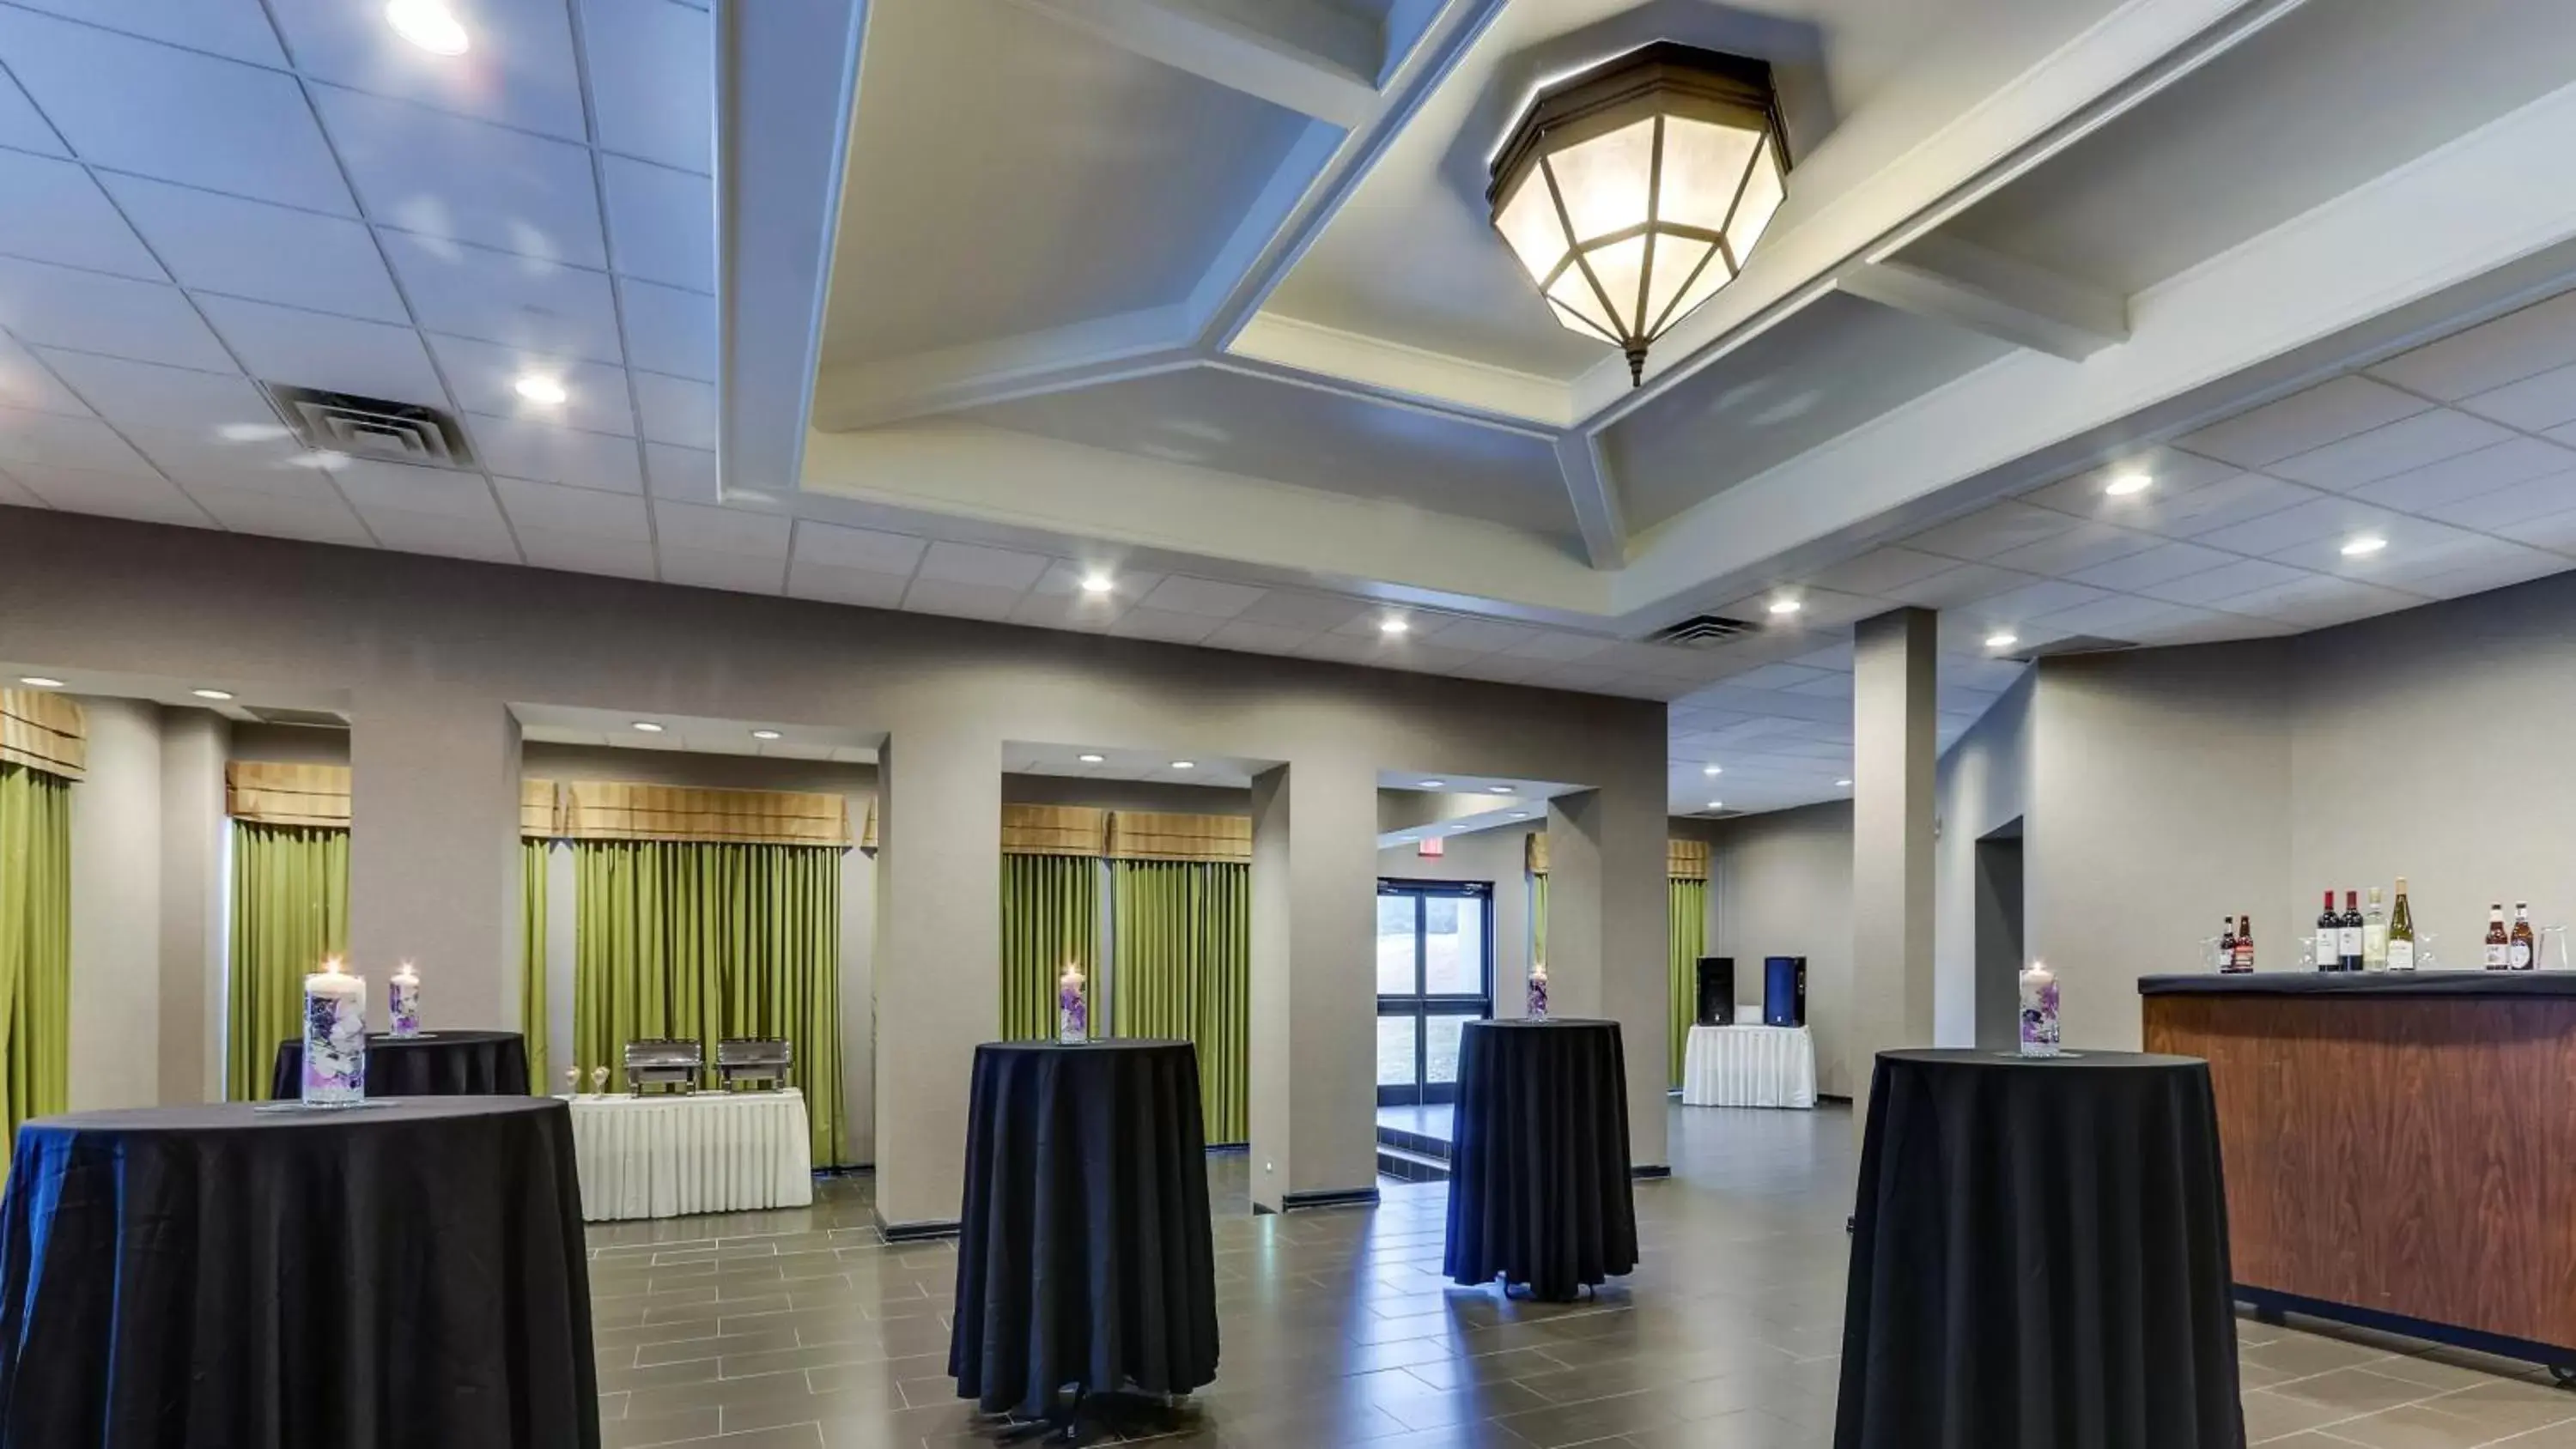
(1435, 973)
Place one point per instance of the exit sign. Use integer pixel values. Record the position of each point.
(1432, 845)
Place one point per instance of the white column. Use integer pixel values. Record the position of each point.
(1607, 928)
(116, 1021)
(1314, 988)
(194, 905)
(1894, 700)
(434, 852)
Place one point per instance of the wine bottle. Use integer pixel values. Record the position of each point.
(2374, 935)
(2498, 943)
(2244, 956)
(2521, 951)
(2227, 943)
(2329, 949)
(2349, 933)
(2401, 932)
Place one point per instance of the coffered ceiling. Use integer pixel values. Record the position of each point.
(949, 305)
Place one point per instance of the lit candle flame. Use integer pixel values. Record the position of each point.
(331, 965)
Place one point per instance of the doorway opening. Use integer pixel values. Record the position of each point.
(1999, 936)
(1435, 973)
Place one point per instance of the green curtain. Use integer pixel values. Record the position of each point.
(1050, 915)
(1686, 927)
(1538, 919)
(290, 909)
(707, 940)
(35, 944)
(532, 960)
(1181, 958)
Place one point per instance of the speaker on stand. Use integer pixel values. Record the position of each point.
(1716, 991)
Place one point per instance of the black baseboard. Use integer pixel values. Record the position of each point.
(1229, 1149)
(918, 1232)
(1327, 1197)
(2268, 1305)
(1647, 1172)
(1833, 1097)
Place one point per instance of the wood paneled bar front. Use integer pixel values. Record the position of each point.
(2400, 1148)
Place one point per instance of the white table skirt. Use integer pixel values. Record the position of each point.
(1749, 1066)
(708, 1152)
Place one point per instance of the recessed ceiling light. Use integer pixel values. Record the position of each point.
(1185, 764)
(764, 734)
(1433, 784)
(252, 432)
(2002, 639)
(2364, 546)
(1500, 789)
(1098, 583)
(1391, 626)
(1520, 815)
(1843, 784)
(1089, 759)
(1711, 770)
(2127, 483)
(212, 693)
(39, 681)
(538, 388)
(430, 25)
(1716, 804)
(648, 727)
(1786, 606)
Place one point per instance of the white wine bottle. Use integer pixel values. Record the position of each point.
(2374, 935)
(2401, 932)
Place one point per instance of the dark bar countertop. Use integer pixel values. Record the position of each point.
(2363, 983)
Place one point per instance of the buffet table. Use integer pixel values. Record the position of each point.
(1749, 1066)
(2401, 1146)
(704, 1152)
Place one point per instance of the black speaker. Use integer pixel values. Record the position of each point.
(1784, 991)
(1717, 991)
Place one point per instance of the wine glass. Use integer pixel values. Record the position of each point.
(2553, 948)
(2425, 960)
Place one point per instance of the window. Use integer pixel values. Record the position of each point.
(1435, 973)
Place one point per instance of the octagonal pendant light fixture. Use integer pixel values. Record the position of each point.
(1633, 191)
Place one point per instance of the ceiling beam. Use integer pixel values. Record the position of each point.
(1595, 496)
(1084, 354)
(1308, 57)
(1966, 285)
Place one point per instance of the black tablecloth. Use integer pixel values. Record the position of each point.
(405, 1275)
(1085, 1253)
(1538, 1176)
(2041, 1258)
(433, 1064)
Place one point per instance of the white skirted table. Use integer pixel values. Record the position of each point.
(1749, 1066)
(707, 1152)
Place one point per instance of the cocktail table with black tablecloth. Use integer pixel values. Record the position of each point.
(433, 1064)
(1085, 1254)
(2040, 1259)
(407, 1274)
(1539, 1189)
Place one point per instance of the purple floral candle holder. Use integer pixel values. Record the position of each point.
(1072, 1013)
(1538, 996)
(335, 1041)
(405, 998)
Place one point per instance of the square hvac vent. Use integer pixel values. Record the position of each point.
(372, 427)
(1701, 631)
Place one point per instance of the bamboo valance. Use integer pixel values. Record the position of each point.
(1683, 859)
(44, 731)
(271, 792)
(1054, 830)
(868, 837)
(1152, 835)
(1537, 852)
(611, 810)
(537, 807)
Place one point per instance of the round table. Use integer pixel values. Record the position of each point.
(406, 1274)
(2040, 1258)
(1539, 1189)
(1085, 1254)
(432, 1064)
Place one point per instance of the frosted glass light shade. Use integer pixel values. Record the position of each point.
(1633, 192)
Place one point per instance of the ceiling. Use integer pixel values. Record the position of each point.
(556, 724)
(1230, 328)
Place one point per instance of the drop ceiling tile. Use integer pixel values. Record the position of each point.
(441, 175)
(2410, 563)
(1980, 671)
(486, 377)
(2503, 510)
(586, 553)
(1082, 613)
(675, 410)
(2427, 437)
(277, 515)
(375, 487)
(448, 535)
(149, 498)
(2228, 580)
(723, 569)
(179, 115)
(149, 395)
(2326, 413)
(2454, 480)
(574, 510)
(1880, 570)
(2497, 573)
(62, 441)
(60, 307)
(2512, 347)
(1205, 597)
(863, 549)
(1314, 613)
(967, 563)
(1777, 676)
(2239, 499)
(2024, 606)
(2153, 566)
(1066, 576)
(1492, 668)
(1552, 645)
(2170, 470)
(1261, 638)
(702, 529)
(652, 69)
(2316, 601)
(669, 330)
(1953, 588)
(13, 496)
(215, 243)
(688, 474)
(24, 383)
(1818, 609)
(541, 452)
(236, 29)
(962, 600)
(661, 223)
(264, 463)
(518, 69)
(2293, 528)
(2116, 616)
(2080, 547)
(833, 584)
(340, 354)
(1834, 685)
(56, 213)
(22, 128)
(1478, 636)
(2536, 403)
(523, 302)
(1990, 531)
(1163, 624)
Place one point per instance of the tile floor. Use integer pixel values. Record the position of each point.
(805, 1330)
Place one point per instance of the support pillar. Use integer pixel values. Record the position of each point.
(1314, 988)
(1607, 947)
(1894, 714)
(434, 852)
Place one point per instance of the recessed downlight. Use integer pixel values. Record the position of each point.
(1098, 582)
(2002, 639)
(213, 694)
(1392, 625)
(40, 681)
(1716, 804)
(1842, 784)
(2122, 485)
(1520, 815)
(1785, 607)
(1185, 764)
(1090, 759)
(1433, 784)
(541, 389)
(1711, 770)
(646, 726)
(764, 734)
(2364, 546)
(1500, 789)
(430, 25)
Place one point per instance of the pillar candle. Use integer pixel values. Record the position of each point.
(2038, 1012)
(335, 1037)
(1538, 992)
(404, 992)
(1072, 1013)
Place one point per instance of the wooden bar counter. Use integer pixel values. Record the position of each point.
(2400, 1148)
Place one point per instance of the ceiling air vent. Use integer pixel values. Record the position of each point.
(372, 427)
(321, 719)
(1701, 631)
(2071, 644)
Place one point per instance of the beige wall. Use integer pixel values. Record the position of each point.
(289, 744)
(1780, 884)
(431, 653)
(1982, 786)
(1500, 858)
